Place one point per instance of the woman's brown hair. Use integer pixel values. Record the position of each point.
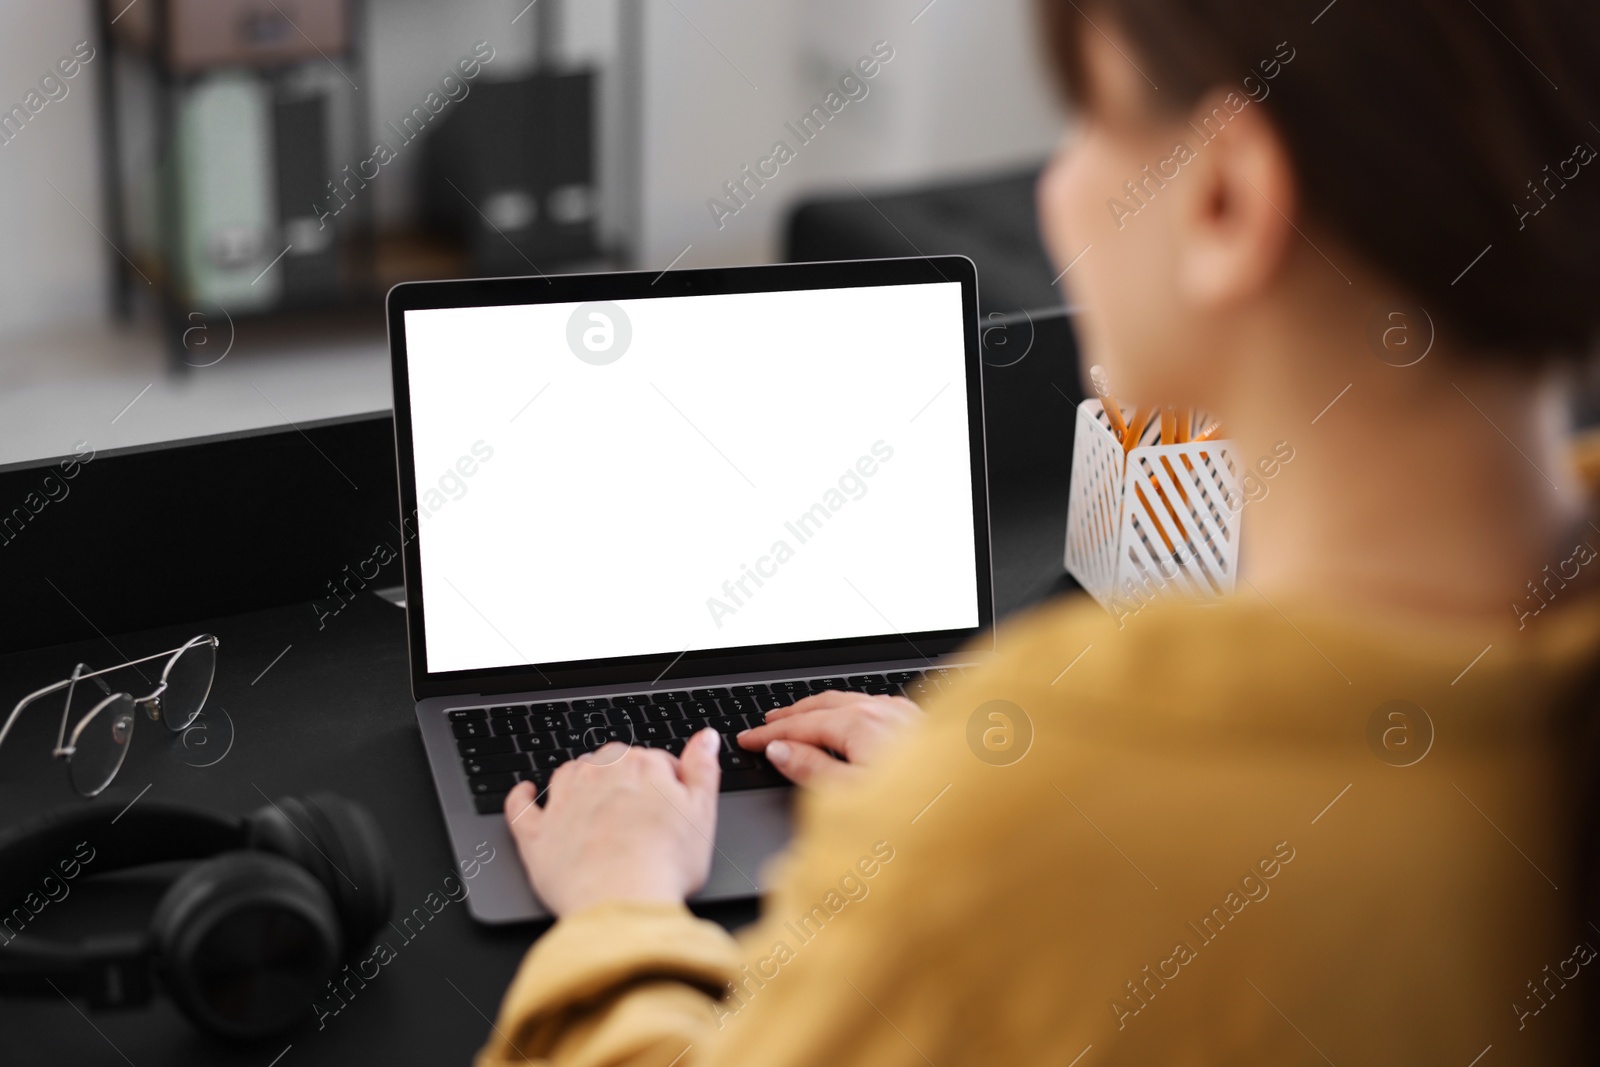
(1451, 145)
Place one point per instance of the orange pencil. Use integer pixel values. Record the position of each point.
(1169, 426)
(1185, 425)
(1212, 431)
(1113, 412)
(1136, 428)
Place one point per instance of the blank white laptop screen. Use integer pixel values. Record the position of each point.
(656, 476)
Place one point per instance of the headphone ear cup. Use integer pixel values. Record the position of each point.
(338, 841)
(245, 942)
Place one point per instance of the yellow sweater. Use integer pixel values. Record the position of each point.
(1207, 853)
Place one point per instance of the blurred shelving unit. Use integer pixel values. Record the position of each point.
(219, 118)
(227, 126)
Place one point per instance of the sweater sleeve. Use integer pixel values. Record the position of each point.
(619, 983)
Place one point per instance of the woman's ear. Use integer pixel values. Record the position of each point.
(1238, 205)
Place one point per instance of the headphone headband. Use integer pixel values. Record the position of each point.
(110, 838)
(36, 858)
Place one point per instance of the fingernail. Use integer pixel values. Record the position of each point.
(709, 739)
(741, 733)
(778, 751)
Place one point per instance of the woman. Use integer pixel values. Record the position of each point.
(1328, 819)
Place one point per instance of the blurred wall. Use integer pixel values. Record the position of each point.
(52, 263)
(720, 79)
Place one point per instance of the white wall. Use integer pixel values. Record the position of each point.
(52, 263)
(963, 93)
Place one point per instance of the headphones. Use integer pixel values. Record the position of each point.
(242, 941)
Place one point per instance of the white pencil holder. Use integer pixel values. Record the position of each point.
(1153, 521)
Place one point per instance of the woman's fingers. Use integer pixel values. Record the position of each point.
(522, 818)
(825, 727)
(698, 768)
(836, 699)
(805, 764)
(816, 701)
(522, 809)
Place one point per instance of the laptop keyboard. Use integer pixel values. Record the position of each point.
(504, 744)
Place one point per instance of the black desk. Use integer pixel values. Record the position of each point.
(332, 712)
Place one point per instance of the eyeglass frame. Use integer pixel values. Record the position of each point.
(150, 702)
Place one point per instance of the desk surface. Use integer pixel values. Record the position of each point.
(307, 709)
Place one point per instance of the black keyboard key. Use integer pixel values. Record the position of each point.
(748, 770)
(505, 727)
(627, 716)
(673, 745)
(748, 690)
(728, 724)
(490, 803)
(736, 705)
(632, 700)
(486, 746)
(791, 687)
(708, 694)
(549, 720)
(661, 712)
(494, 801)
(463, 714)
(920, 691)
(702, 709)
(774, 701)
(549, 760)
(558, 707)
(863, 680)
(509, 761)
(819, 685)
(672, 696)
(484, 784)
(538, 741)
(470, 728)
(652, 731)
(604, 735)
(591, 738)
(582, 720)
(508, 709)
(902, 677)
(591, 704)
(687, 727)
(882, 690)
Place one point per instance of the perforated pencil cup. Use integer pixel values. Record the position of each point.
(1152, 521)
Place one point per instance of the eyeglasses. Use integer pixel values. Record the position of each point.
(98, 743)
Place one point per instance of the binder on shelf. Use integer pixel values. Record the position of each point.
(510, 171)
(300, 136)
(227, 222)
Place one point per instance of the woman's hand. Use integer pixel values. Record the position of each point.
(800, 740)
(621, 824)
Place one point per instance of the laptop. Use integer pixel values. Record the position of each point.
(636, 504)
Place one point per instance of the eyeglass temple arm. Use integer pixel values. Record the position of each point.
(76, 677)
(35, 695)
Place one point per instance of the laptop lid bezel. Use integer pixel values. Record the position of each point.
(643, 285)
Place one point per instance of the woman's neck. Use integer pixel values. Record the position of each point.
(1441, 488)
